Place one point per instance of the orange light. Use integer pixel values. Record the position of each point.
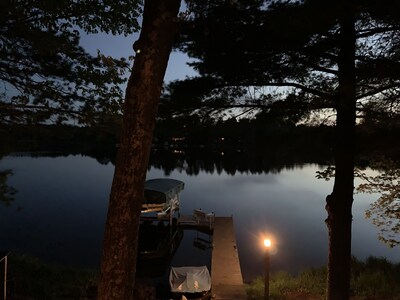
(267, 243)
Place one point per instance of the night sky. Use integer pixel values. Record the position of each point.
(121, 46)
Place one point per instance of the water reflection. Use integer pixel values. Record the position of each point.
(231, 161)
(6, 192)
(158, 242)
(64, 202)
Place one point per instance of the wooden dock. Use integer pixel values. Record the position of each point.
(226, 275)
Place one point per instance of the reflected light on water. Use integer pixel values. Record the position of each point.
(64, 200)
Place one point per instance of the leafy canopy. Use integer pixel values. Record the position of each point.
(292, 48)
(385, 211)
(45, 73)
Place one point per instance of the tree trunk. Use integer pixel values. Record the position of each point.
(339, 203)
(118, 265)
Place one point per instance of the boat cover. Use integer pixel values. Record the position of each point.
(189, 279)
(161, 190)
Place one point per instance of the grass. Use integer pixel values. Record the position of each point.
(372, 279)
(375, 278)
(30, 278)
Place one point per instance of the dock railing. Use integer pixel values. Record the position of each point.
(5, 259)
(201, 217)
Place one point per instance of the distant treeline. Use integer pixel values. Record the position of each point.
(59, 139)
(245, 134)
(218, 147)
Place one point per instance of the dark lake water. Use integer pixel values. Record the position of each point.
(60, 209)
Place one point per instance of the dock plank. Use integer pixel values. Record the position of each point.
(226, 275)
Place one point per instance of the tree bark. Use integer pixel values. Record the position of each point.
(118, 265)
(339, 203)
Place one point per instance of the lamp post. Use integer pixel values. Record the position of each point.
(267, 244)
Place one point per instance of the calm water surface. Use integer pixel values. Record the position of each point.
(60, 210)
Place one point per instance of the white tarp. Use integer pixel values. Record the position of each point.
(189, 279)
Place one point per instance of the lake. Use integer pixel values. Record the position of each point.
(60, 208)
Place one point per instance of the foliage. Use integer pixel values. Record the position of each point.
(6, 192)
(95, 141)
(384, 212)
(327, 174)
(284, 56)
(374, 278)
(29, 277)
(45, 73)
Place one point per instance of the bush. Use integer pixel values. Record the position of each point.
(29, 277)
(376, 277)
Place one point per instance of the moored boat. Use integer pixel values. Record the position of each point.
(192, 282)
(162, 197)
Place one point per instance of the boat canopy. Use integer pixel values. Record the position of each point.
(189, 279)
(162, 190)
